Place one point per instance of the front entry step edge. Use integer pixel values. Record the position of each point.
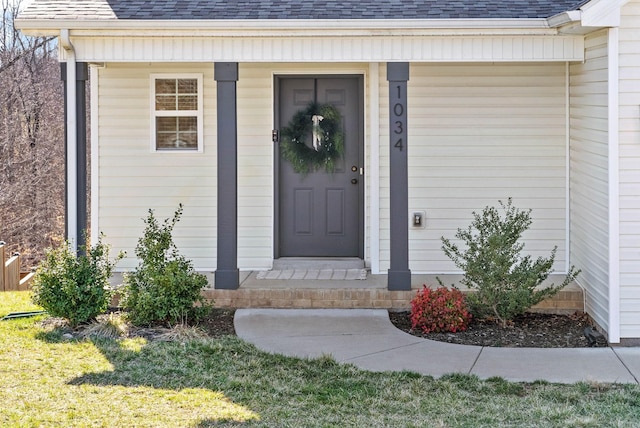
(319, 263)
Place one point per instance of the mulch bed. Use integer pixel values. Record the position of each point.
(531, 330)
(219, 323)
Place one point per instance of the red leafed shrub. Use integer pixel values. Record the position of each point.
(439, 310)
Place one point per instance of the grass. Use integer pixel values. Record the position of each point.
(46, 380)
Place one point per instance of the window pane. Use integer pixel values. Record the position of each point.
(188, 124)
(187, 141)
(188, 102)
(176, 133)
(187, 86)
(165, 102)
(165, 86)
(188, 132)
(165, 141)
(167, 124)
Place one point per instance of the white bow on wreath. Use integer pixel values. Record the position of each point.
(321, 123)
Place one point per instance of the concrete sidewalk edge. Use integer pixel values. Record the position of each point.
(368, 339)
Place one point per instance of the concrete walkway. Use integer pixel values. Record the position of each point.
(367, 339)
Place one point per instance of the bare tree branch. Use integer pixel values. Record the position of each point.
(31, 141)
(31, 50)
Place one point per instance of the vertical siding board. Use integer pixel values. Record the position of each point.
(487, 49)
(433, 48)
(507, 48)
(470, 48)
(547, 49)
(457, 48)
(497, 47)
(538, 50)
(527, 48)
(559, 48)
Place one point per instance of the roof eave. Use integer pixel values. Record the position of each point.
(569, 23)
(565, 18)
(591, 16)
(52, 26)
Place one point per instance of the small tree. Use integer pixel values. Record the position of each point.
(505, 282)
(164, 288)
(74, 288)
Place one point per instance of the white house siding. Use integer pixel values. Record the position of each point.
(255, 168)
(132, 179)
(589, 175)
(629, 171)
(480, 133)
(327, 46)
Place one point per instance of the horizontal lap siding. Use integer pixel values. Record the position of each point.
(133, 180)
(255, 168)
(630, 170)
(479, 134)
(589, 234)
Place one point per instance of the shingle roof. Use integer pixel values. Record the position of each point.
(296, 9)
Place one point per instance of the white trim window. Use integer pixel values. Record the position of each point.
(176, 112)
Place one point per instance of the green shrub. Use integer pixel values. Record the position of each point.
(439, 310)
(164, 288)
(504, 281)
(74, 287)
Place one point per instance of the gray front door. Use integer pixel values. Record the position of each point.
(320, 214)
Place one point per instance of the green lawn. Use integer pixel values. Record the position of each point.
(46, 380)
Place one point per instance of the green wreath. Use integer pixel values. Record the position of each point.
(321, 122)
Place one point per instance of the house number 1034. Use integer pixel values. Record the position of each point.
(398, 112)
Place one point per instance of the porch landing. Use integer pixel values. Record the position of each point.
(369, 293)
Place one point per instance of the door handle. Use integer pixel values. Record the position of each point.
(354, 181)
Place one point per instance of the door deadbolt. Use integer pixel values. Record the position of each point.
(354, 168)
